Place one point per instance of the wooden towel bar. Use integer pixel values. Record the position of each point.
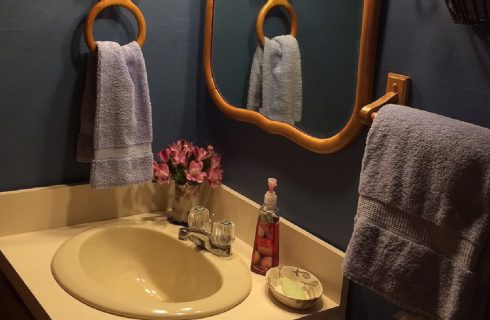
(397, 88)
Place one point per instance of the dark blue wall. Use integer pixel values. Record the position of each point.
(41, 80)
(449, 65)
(42, 68)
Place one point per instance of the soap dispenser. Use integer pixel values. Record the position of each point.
(266, 246)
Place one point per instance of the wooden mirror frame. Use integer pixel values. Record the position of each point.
(364, 88)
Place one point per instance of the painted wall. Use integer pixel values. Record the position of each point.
(450, 67)
(42, 69)
(41, 80)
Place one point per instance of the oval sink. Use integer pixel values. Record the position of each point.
(141, 270)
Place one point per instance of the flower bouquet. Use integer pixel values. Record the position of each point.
(188, 166)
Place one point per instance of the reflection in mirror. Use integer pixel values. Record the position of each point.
(337, 42)
(328, 38)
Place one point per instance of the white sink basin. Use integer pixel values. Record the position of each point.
(141, 270)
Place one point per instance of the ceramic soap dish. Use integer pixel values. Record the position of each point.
(293, 286)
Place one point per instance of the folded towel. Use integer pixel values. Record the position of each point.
(275, 86)
(116, 129)
(421, 231)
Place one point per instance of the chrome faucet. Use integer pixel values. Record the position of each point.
(205, 241)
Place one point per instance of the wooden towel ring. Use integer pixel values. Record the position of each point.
(263, 13)
(101, 5)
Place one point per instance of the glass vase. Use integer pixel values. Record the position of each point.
(186, 197)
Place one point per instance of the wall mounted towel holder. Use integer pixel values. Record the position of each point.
(101, 5)
(263, 13)
(397, 87)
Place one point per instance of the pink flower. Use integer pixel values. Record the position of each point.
(161, 172)
(164, 155)
(173, 153)
(215, 176)
(195, 173)
(180, 152)
(185, 163)
(200, 154)
(215, 162)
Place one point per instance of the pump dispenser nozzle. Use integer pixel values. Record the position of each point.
(272, 184)
(270, 197)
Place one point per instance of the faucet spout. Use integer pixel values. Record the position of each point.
(205, 241)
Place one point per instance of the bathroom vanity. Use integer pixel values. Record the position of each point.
(38, 221)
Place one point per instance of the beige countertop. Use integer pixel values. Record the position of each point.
(30, 254)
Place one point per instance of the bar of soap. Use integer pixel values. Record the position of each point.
(292, 290)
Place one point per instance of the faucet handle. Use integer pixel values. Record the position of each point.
(224, 232)
(199, 218)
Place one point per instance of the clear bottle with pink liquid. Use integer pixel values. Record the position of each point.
(266, 245)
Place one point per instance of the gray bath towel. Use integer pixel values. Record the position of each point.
(275, 86)
(116, 129)
(421, 231)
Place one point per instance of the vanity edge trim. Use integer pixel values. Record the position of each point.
(18, 285)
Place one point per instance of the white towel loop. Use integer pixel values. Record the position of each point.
(101, 5)
(263, 13)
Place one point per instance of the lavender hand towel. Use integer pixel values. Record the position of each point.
(116, 129)
(421, 231)
(275, 85)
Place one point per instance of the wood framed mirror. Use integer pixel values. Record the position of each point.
(348, 87)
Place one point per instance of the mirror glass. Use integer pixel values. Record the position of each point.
(328, 37)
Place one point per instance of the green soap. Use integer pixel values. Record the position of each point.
(292, 290)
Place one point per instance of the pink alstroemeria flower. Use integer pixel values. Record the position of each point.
(185, 163)
(180, 152)
(186, 152)
(173, 152)
(200, 154)
(215, 162)
(164, 155)
(161, 172)
(214, 177)
(195, 173)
